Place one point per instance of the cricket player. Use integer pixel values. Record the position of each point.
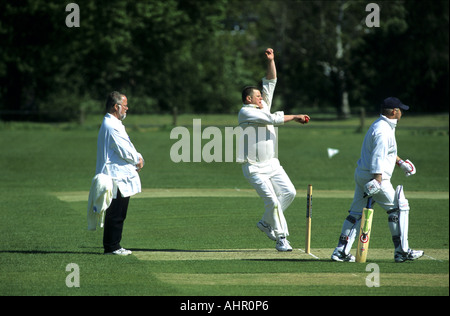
(373, 178)
(118, 158)
(260, 165)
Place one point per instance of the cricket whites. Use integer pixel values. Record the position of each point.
(364, 232)
(308, 219)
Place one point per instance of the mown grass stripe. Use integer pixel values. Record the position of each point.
(79, 196)
(304, 279)
(270, 254)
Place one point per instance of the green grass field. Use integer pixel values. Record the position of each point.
(193, 228)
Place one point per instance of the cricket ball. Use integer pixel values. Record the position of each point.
(306, 119)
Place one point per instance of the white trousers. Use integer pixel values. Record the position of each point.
(384, 198)
(275, 188)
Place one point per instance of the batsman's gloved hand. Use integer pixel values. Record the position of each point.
(407, 166)
(372, 187)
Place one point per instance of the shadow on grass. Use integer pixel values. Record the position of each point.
(186, 250)
(48, 252)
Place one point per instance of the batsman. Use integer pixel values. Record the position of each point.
(373, 179)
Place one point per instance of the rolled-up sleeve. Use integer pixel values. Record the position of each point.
(268, 88)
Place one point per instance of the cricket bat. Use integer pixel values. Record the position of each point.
(364, 232)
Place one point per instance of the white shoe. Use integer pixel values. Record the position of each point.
(283, 244)
(120, 252)
(340, 256)
(265, 228)
(400, 256)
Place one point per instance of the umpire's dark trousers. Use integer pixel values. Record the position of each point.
(114, 218)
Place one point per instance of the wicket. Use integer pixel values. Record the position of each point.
(308, 219)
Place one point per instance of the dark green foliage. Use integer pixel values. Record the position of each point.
(196, 55)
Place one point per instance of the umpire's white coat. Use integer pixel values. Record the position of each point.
(117, 157)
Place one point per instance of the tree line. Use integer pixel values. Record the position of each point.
(195, 56)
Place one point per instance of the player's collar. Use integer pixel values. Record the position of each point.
(391, 122)
(250, 106)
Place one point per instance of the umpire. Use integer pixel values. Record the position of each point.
(117, 157)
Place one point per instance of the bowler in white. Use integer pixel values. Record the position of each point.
(260, 164)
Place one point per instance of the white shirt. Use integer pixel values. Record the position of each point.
(117, 157)
(379, 149)
(262, 146)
